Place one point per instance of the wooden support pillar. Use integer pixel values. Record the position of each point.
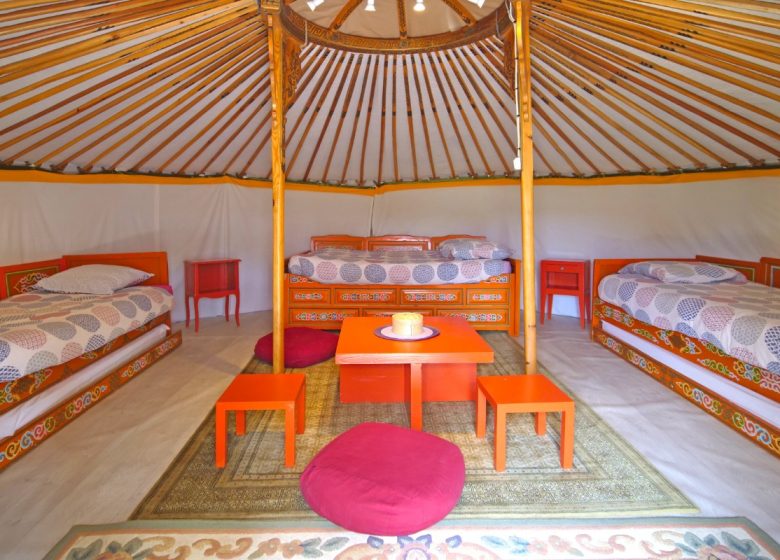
(523, 62)
(277, 175)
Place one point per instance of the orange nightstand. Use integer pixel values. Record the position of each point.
(524, 393)
(211, 279)
(258, 391)
(566, 278)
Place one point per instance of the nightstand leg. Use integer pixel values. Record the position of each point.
(542, 305)
(187, 310)
(583, 313)
(238, 302)
(227, 307)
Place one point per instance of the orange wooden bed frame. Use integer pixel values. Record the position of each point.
(489, 305)
(696, 351)
(17, 279)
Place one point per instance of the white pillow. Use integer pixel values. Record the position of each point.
(96, 279)
(677, 272)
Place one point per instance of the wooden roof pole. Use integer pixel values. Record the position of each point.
(523, 84)
(272, 8)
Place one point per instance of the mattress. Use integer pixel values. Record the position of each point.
(347, 266)
(43, 329)
(741, 320)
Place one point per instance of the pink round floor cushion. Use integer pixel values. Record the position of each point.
(383, 479)
(303, 346)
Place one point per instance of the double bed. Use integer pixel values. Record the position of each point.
(61, 353)
(348, 276)
(715, 343)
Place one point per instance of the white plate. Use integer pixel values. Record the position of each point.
(387, 332)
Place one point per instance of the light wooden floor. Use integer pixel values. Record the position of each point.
(99, 467)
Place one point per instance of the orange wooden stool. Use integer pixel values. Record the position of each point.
(263, 392)
(524, 393)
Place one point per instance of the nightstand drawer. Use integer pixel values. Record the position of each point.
(365, 295)
(556, 266)
(310, 295)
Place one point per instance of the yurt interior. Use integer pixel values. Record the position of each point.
(389, 279)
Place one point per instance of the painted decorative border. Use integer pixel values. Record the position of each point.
(738, 419)
(694, 350)
(13, 393)
(29, 437)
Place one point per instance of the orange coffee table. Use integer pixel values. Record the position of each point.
(442, 368)
(524, 393)
(283, 391)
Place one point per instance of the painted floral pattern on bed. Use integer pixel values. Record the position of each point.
(43, 329)
(740, 320)
(345, 266)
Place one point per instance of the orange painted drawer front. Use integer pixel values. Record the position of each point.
(448, 296)
(487, 296)
(321, 315)
(310, 295)
(370, 295)
(388, 312)
(487, 316)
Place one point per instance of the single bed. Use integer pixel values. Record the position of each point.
(484, 292)
(60, 354)
(713, 344)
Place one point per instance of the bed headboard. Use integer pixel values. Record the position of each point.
(19, 278)
(771, 271)
(384, 242)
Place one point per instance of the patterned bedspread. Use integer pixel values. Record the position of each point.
(347, 266)
(742, 320)
(43, 329)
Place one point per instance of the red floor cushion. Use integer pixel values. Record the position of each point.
(382, 479)
(302, 346)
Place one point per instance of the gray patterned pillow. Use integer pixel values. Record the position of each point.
(96, 279)
(678, 272)
(467, 249)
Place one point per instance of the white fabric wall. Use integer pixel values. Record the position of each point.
(729, 218)
(45, 220)
(736, 218)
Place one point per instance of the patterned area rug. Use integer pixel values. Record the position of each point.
(609, 477)
(584, 539)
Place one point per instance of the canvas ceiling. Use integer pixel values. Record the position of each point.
(181, 87)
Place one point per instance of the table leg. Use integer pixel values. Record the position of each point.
(481, 412)
(499, 439)
(415, 396)
(300, 410)
(220, 431)
(289, 435)
(541, 423)
(240, 422)
(567, 437)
